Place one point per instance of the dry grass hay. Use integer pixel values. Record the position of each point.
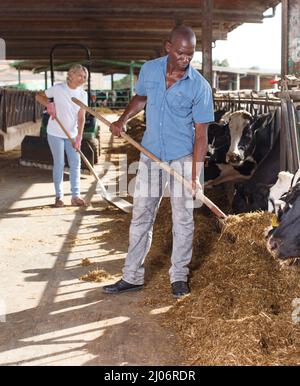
(240, 308)
(97, 275)
(85, 262)
(104, 110)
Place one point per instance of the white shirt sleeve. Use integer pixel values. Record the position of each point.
(50, 92)
(86, 98)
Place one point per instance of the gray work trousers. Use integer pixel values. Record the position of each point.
(151, 182)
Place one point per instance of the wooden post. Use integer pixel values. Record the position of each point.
(206, 39)
(34, 107)
(46, 79)
(112, 80)
(131, 79)
(284, 39)
(4, 121)
(19, 76)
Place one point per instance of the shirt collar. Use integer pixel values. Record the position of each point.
(188, 72)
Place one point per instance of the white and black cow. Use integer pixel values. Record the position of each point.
(229, 139)
(283, 241)
(250, 196)
(255, 144)
(260, 193)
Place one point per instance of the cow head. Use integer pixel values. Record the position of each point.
(218, 142)
(283, 240)
(282, 185)
(249, 197)
(240, 136)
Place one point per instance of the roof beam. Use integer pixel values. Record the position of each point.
(42, 40)
(114, 29)
(101, 11)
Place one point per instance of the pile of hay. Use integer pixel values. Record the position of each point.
(104, 110)
(85, 262)
(97, 275)
(240, 311)
(240, 308)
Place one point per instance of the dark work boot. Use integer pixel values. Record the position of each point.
(121, 286)
(180, 288)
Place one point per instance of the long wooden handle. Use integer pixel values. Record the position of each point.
(44, 101)
(214, 208)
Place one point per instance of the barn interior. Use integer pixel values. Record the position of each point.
(239, 311)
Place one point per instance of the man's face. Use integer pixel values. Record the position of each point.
(181, 52)
(78, 78)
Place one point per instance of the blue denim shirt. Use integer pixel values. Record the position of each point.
(171, 113)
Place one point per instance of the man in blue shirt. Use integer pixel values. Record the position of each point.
(179, 108)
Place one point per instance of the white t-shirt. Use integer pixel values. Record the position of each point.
(66, 110)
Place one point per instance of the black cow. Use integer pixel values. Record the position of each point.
(250, 198)
(261, 192)
(283, 241)
(218, 139)
(264, 187)
(219, 114)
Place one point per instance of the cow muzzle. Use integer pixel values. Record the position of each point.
(233, 158)
(273, 246)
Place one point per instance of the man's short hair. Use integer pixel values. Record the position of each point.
(182, 31)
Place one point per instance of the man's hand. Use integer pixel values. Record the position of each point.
(77, 143)
(196, 186)
(117, 127)
(51, 110)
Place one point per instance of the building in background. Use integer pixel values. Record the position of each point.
(228, 78)
(10, 76)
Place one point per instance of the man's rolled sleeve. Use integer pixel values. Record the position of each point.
(203, 108)
(140, 88)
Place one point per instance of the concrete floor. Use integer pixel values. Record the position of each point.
(47, 315)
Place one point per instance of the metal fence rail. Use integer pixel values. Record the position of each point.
(17, 107)
(252, 103)
(113, 99)
(290, 132)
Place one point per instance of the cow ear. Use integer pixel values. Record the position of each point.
(247, 116)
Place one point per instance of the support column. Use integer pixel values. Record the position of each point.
(284, 39)
(131, 79)
(19, 76)
(215, 80)
(257, 82)
(46, 80)
(206, 39)
(112, 81)
(237, 82)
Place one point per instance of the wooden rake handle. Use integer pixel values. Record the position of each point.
(214, 208)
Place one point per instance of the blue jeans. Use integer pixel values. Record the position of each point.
(151, 182)
(58, 147)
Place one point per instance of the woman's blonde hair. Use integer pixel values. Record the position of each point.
(75, 68)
